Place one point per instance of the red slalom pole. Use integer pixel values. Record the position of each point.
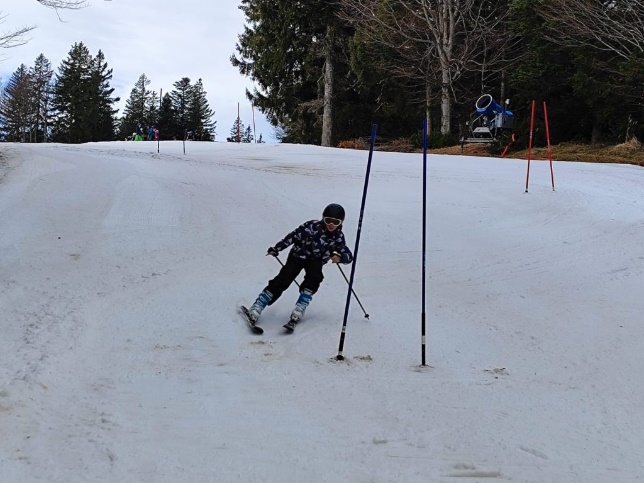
(552, 173)
(527, 178)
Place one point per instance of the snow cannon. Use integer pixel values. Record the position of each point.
(489, 123)
(487, 106)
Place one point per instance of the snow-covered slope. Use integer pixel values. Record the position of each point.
(123, 359)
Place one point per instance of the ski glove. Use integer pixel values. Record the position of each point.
(272, 251)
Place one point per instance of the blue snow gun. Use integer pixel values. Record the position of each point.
(487, 106)
(490, 122)
(499, 117)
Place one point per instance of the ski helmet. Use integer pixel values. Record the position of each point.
(334, 210)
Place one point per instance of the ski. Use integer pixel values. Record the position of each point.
(251, 323)
(290, 325)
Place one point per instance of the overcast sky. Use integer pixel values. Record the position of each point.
(163, 39)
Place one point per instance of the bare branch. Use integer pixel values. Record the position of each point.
(435, 41)
(616, 26)
(64, 4)
(15, 38)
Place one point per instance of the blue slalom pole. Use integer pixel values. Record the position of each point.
(422, 316)
(340, 357)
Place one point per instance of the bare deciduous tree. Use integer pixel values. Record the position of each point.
(327, 113)
(615, 26)
(63, 4)
(14, 38)
(383, 28)
(17, 37)
(436, 40)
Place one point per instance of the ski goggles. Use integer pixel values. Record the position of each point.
(332, 221)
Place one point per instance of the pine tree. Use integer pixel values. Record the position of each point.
(247, 136)
(16, 106)
(236, 131)
(103, 120)
(294, 52)
(41, 77)
(181, 98)
(152, 108)
(200, 114)
(71, 96)
(82, 98)
(141, 108)
(167, 123)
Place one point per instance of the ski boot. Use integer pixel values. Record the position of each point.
(255, 310)
(300, 307)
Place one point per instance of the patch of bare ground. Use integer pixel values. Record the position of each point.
(631, 152)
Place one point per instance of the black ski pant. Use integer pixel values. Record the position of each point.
(312, 276)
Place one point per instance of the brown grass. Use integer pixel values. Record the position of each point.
(626, 153)
(631, 152)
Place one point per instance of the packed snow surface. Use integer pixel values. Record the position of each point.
(123, 359)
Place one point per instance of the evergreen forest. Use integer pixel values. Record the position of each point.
(325, 71)
(77, 105)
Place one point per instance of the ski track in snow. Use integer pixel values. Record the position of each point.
(123, 357)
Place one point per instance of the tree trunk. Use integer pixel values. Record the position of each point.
(446, 103)
(428, 107)
(503, 89)
(327, 115)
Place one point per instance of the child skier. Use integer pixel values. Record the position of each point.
(314, 244)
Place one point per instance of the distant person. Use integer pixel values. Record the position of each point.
(150, 133)
(156, 134)
(314, 244)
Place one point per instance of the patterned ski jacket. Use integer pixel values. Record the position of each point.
(311, 240)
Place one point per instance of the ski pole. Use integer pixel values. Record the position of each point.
(345, 278)
(278, 259)
(366, 315)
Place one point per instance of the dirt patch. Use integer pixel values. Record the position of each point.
(625, 153)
